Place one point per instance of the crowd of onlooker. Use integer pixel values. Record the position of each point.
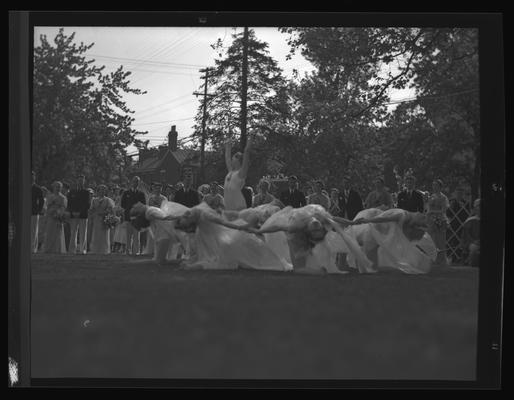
(75, 218)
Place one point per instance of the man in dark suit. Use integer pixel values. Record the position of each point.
(292, 196)
(186, 194)
(128, 199)
(38, 201)
(189, 197)
(79, 202)
(410, 199)
(350, 201)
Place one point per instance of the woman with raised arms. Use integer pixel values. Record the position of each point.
(237, 166)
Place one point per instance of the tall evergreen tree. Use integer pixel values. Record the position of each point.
(265, 80)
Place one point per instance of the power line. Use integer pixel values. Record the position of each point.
(152, 71)
(165, 103)
(159, 110)
(168, 48)
(147, 61)
(167, 121)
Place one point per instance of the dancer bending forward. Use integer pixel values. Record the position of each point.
(394, 238)
(223, 244)
(309, 238)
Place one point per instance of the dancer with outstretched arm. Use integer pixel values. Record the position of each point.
(309, 238)
(237, 166)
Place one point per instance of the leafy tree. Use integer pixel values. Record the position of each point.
(81, 124)
(342, 118)
(447, 84)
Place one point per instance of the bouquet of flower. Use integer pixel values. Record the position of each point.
(439, 221)
(111, 220)
(59, 216)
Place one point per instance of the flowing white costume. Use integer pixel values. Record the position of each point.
(320, 256)
(220, 247)
(394, 248)
(232, 196)
(163, 232)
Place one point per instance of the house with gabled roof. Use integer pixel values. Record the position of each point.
(166, 163)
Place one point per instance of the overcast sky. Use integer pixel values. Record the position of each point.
(165, 62)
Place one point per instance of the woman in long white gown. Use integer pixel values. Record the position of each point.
(56, 204)
(223, 244)
(161, 228)
(155, 199)
(309, 238)
(100, 207)
(394, 238)
(237, 166)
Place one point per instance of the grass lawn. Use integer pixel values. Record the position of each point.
(108, 317)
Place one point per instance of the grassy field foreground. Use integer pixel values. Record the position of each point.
(108, 317)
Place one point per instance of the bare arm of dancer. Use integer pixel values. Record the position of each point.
(169, 217)
(221, 221)
(230, 214)
(246, 159)
(280, 228)
(346, 222)
(228, 154)
(378, 220)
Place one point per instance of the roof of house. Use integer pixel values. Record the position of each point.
(154, 162)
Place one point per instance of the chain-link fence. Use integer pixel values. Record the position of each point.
(457, 213)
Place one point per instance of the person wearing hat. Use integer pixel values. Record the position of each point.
(79, 202)
(213, 198)
(292, 196)
(410, 199)
(154, 200)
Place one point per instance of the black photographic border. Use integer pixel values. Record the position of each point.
(493, 128)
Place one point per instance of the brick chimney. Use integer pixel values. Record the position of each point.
(172, 138)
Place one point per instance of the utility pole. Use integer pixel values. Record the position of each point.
(204, 121)
(244, 88)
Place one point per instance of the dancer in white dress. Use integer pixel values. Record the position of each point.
(237, 166)
(223, 244)
(307, 239)
(155, 199)
(162, 229)
(394, 238)
(255, 217)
